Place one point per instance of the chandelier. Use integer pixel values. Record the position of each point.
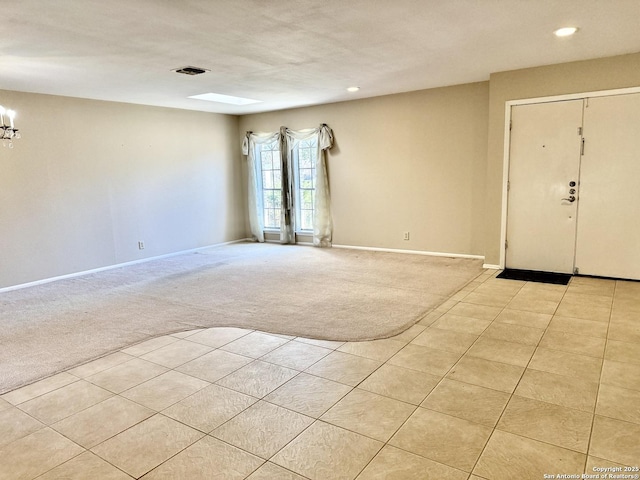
(8, 132)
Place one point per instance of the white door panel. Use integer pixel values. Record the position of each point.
(608, 238)
(544, 158)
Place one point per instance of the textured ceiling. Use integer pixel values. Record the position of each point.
(291, 53)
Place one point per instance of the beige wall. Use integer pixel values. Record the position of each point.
(576, 77)
(407, 162)
(89, 179)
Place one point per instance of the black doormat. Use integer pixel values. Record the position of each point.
(533, 276)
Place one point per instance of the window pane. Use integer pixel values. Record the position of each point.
(267, 179)
(307, 220)
(305, 158)
(271, 218)
(306, 198)
(306, 178)
(267, 160)
(272, 199)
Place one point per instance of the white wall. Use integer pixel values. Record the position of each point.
(407, 162)
(89, 179)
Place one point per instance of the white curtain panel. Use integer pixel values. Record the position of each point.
(251, 147)
(322, 223)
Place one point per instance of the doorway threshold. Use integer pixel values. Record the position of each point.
(535, 276)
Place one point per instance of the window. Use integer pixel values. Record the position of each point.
(304, 162)
(304, 174)
(289, 190)
(271, 184)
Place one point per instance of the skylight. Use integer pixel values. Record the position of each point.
(229, 99)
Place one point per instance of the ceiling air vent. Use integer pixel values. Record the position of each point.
(190, 70)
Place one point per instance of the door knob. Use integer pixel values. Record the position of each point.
(572, 198)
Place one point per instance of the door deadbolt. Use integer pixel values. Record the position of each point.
(572, 183)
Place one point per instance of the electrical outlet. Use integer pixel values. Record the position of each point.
(141, 245)
(406, 235)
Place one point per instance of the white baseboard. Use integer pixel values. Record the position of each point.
(412, 252)
(117, 265)
(491, 267)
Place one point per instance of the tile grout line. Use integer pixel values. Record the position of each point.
(541, 441)
(270, 403)
(512, 392)
(160, 412)
(76, 456)
(494, 428)
(511, 395)
(416, 407)
(604, 354)
(436, 386)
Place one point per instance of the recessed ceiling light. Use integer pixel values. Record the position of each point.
(565, 31)
(353, 89)
(230, 99)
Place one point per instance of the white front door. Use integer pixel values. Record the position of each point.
(608, 241)
(544, 160)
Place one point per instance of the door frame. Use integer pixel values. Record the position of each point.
(507, 149)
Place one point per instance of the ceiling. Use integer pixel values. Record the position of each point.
(291, 53)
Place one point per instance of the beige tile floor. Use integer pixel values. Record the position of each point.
(505, 380)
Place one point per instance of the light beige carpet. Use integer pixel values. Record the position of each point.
(331, 294)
